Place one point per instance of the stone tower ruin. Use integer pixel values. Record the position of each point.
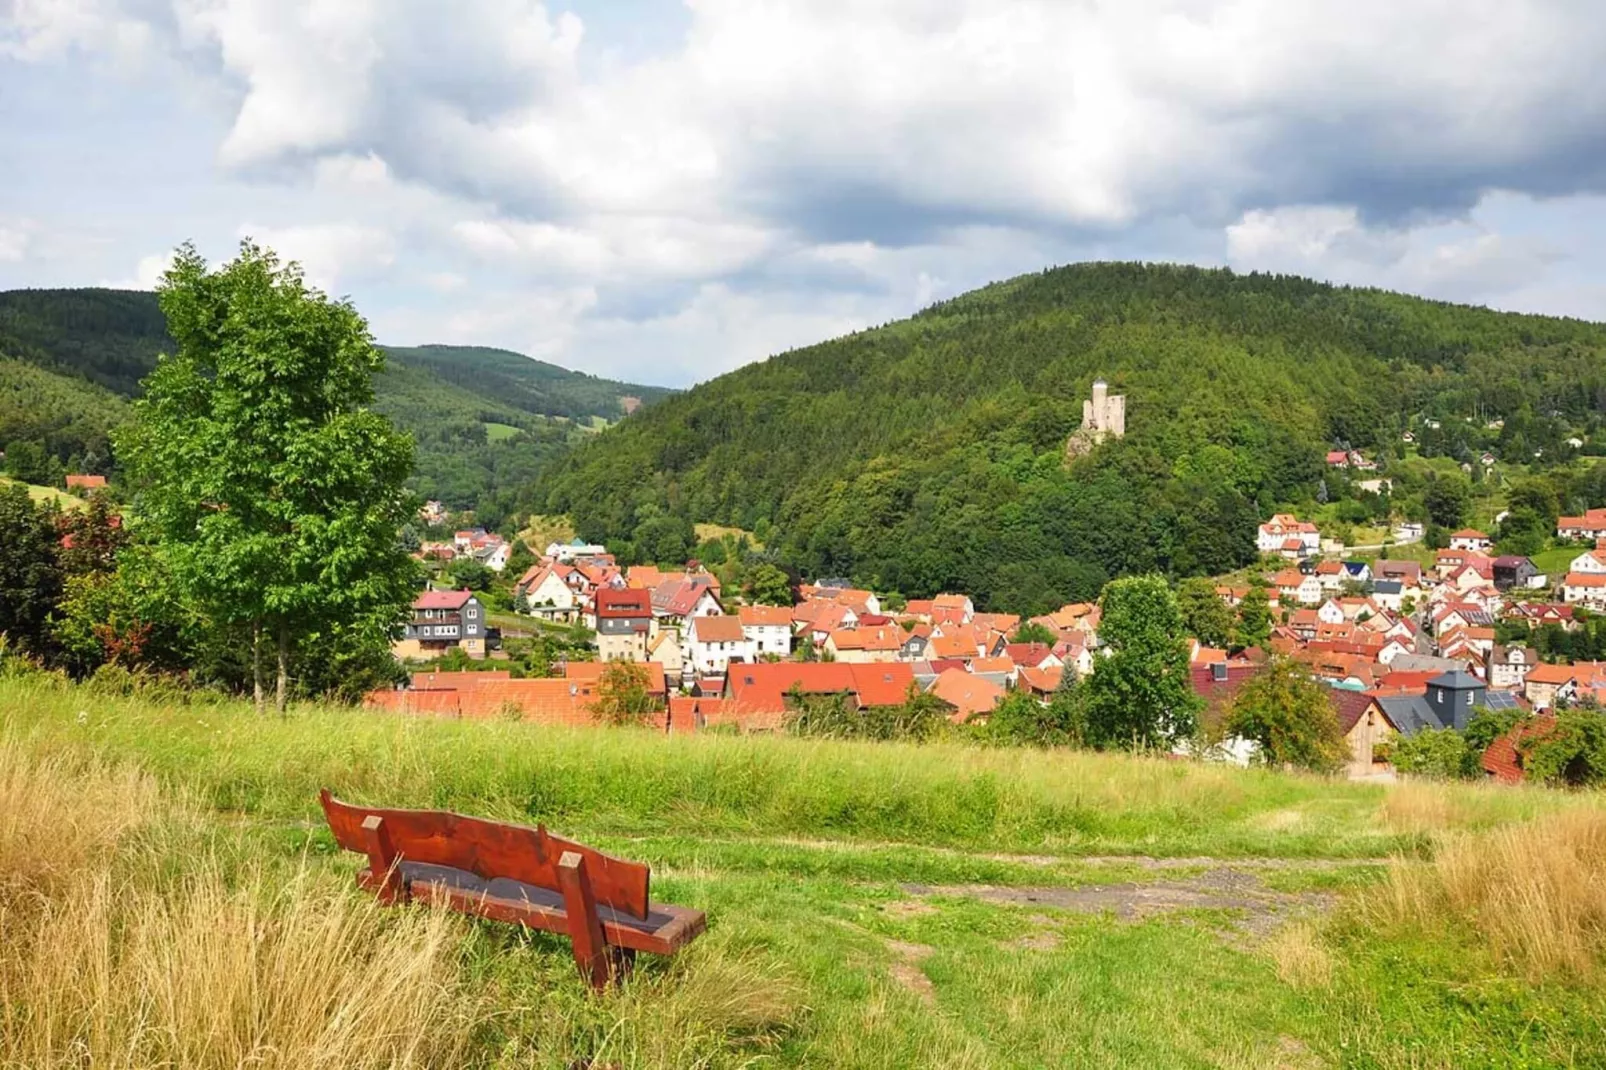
(1103, 416)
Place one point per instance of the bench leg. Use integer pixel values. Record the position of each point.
(597, 961)
(383, 865)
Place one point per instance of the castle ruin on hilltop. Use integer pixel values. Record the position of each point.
(1103, 416)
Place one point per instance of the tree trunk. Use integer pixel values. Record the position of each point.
(256, 664)
(282, 687)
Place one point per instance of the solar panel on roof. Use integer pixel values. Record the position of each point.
(1500, 700)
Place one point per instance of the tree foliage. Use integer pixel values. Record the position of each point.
(624, 696)
(1204, 614)
(1291, 717)
(768, 585)
(30, 575)
(273, 491)
(1139, 695)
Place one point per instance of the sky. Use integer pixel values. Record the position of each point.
(661, 192)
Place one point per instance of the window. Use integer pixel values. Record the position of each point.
(1441, 694)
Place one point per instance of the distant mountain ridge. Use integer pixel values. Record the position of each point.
(930, 454)
(70, 361)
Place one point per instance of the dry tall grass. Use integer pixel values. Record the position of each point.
(1300, 957)
(130, 936)
(1535, 892)
(101, 966)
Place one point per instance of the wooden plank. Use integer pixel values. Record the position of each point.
(585, 928)
(491, 849)
(685, 924)
(382, 860)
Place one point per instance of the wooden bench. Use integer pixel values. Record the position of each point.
(516, 874)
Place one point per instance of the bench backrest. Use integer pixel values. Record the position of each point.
(491, 849)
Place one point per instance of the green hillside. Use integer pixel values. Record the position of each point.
(929, 453)
(67, 416)
(530, 385)
(487, 421)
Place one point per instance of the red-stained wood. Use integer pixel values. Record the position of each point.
(585, 928)
(684, 924)
(606, 935)
(491, 849)
(382, 860)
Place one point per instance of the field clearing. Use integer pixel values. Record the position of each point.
(1554, 563)
(496, 432)
(44, 494)
(543, 531)
(870, 905)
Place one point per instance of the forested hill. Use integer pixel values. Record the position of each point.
(487, 421)
(928, 454)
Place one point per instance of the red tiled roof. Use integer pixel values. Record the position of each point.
(1503, 758)
(716, 629)
(623, 603)
(1032, 654)
(1348, 706)
(590, 672)
(760, 690)
(442, 599)
(874, 640)
(456, 681)
(967, 693)
(1041, 680)
(765, 616)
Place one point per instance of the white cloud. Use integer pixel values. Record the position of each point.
(14, 242)
(811, 165)
(1460, 261)
(328, 252)
(147, 273)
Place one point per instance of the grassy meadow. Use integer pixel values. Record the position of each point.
(170, 897)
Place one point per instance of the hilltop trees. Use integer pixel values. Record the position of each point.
(273, 493)
(1139, 695)
(30, 577)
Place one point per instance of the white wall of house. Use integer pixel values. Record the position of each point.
(769, 639)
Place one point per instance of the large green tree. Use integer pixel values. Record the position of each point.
(1203, 612)
(30, 575)
(1254, 618)
(1291, 717)
(271, 489)
(1139, 695)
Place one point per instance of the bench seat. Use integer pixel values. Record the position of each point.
(517, 874)
(664, 929)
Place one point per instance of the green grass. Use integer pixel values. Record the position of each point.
(1554, 563)
(42, 494)
(496, 432)
(820, 950)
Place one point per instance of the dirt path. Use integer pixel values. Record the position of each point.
(1256, 910)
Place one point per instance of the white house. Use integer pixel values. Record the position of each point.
(1282, 530)
(713, 642)
(1410, 531)
(1330, 613)
(1587, 588)
(1590, 561)
(548, 597)
(568, 551)
(1509, 666)
(768, 629)
(1470, 539)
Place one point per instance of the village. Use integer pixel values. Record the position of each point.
(1402, 645)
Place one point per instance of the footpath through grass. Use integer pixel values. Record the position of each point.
(869, 905)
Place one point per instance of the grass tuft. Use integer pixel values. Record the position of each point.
(1533, 892)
